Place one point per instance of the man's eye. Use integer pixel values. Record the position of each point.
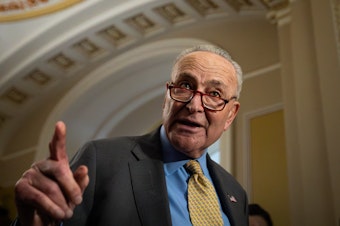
(185, 85)
(215, 94)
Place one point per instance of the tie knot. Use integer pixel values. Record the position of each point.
(194, 167)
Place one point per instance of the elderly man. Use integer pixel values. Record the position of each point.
(162, 178)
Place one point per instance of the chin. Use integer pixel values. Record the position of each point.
(191, 149)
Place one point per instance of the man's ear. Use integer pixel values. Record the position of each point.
(232, 114)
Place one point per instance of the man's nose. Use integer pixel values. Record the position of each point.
(195, 104)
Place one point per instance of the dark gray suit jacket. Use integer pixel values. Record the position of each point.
(127, 185)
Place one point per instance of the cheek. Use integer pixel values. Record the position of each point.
(171, 107)
(166, 109)
(217, 122)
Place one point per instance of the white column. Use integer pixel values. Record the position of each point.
(309, 80)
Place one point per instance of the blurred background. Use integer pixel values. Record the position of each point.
(101, 66)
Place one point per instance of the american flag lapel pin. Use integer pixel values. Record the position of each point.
(232, 198)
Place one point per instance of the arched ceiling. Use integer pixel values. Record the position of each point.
(42, 58)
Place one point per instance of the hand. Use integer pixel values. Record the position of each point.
(49, 191)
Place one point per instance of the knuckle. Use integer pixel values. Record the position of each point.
(52, 188)
(25, 181)
(62, 171)
(36, 196)
(20, 186)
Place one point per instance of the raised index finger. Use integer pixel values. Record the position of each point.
(58, 143)
(59, 169)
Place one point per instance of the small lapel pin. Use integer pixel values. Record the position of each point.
(232, 198)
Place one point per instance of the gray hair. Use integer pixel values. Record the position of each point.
(221, 52)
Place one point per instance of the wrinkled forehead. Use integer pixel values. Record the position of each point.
(202, 63)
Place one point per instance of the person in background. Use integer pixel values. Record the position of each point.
(143, 180)
(259, 216)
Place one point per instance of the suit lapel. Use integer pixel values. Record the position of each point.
(225, 189)
(148, 183)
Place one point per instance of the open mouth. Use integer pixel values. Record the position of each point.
(189, 123)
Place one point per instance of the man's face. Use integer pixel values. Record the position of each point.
(189, 126)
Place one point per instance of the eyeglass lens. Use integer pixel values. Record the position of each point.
(185, 95)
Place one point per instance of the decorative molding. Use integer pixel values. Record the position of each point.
(142, 23)
(15, 95)
(279, 11)
(11, 10)
(115, 36)
(205, 7)
(275, 4)
(62, 61)
(88, 48)
(38, 77)
(238, 5)
(261, 71)
(172, 13)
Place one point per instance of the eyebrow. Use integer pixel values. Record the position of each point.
(185, 75)
(213, 82)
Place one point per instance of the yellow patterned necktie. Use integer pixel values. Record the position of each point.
(204, 208)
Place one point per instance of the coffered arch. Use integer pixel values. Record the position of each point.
(50, 59)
